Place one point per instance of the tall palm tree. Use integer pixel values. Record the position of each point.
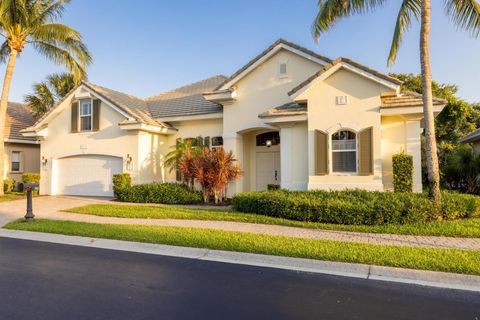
(48, 92)
(464, 13)
(32, 22)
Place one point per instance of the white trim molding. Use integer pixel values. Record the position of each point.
(147, 128)
(20, 141)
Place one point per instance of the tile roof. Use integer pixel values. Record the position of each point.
(276, 43)
(471, 137)
(350, 62)
(186, 100)
(18, 118)
(133, 106)
(287, 109)
(406, 99)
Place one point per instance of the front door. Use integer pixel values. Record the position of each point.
(268, 169)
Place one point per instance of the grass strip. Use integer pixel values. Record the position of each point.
(448, 260)
(12, 196)
(467, 228)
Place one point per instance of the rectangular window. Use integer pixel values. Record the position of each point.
(283, 68)
(217, 141)
(344, 151)
(16, 156)
(85, 115)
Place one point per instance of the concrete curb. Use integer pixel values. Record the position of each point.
(363, 271)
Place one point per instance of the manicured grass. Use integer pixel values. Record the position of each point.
(12, 196)
(449, 260)
(458, 228)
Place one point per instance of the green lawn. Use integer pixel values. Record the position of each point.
(449, 260)
(459, 228)
(12, 196)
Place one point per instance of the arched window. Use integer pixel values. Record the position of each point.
(268, 139)
(344, 151)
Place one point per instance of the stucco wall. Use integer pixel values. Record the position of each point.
(109, 140)
(361, 112)
(30, 159)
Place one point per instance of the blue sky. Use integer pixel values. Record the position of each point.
(145, 47)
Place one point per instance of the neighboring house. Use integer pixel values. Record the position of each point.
(22, 154)
(291, 117)
(473, 138)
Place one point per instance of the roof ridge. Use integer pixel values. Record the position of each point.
(183, 87)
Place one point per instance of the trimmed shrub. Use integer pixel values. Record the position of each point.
(168, 193)
(355, 207)
(402, 172)
(121, 181)
(8, 185)
(273, 186)
(31, 178)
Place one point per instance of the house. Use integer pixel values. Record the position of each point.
(22, 154)
(292, 118)
(473, 138)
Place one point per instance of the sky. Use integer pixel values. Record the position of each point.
(145, 47)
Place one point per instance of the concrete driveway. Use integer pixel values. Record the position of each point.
(44, 206)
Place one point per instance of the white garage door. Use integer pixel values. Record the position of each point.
(89, 175)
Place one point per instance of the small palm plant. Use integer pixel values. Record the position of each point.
(463, 170)
(33, 22)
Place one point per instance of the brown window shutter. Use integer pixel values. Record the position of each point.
(74, 120)
(365, 152)
(321, 153)
(96, 115)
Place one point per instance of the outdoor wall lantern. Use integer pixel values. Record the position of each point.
(44, 161)
(268, 143)
(129, 161)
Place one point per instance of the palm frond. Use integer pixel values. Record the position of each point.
(55, 32)
(465, 14)
(41, 99)
(408, 9)
(329, 11)
(4, 52)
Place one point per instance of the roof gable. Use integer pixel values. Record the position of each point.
(348, 64)
(266, 54)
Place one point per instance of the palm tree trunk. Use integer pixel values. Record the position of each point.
(3, 111)
(431, 143)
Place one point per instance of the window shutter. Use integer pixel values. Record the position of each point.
(365, 152)
(321, 153)
(96, 115)
(74, 120)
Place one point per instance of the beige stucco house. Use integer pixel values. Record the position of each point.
(22, 154)
(292, 118)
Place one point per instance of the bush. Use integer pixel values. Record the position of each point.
(273, 186)
(402, 172)
(121, 181)
(8, 185)
(168, 193)
(31, 178)
(355, 207)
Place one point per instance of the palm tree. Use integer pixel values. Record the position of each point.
(32, 22)
(464, 13)
(48, 92)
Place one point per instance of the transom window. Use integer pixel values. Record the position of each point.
(268, 139)
(16, 156)
(86, 115)
(344, 151)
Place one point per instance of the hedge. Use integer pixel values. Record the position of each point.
(402, 172)
(31, 178)
(8, 185)
(168, 193)
(120, 182)
(355, 207)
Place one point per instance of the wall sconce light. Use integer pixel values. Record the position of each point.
(44, 161)
(129, 161)
(268, 143)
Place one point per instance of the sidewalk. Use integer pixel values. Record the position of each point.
(49, 208)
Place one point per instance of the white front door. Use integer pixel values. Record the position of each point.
(86, 175)
(268, 169)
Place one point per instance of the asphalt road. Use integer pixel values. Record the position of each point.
(50, 281)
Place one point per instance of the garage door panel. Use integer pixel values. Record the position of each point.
(87, 175)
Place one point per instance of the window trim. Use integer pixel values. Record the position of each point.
(20, 165)
(343, 173)
(80, 116)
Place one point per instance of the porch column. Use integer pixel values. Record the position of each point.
(414, 148)
(234, 143)
(286, 155)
